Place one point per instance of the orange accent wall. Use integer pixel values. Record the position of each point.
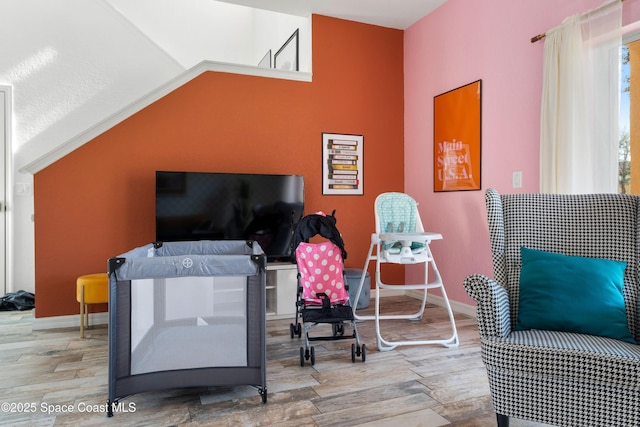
(98, 201)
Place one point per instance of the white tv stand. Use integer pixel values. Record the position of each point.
(282, 283)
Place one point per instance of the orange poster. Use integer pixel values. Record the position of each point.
(457, 138)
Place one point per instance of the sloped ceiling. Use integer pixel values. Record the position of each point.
(72, 64)
(79, 67)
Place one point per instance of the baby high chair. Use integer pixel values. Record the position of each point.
(400, 239)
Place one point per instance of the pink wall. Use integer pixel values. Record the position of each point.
(461, 42)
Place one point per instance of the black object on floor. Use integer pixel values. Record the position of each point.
(20, 301)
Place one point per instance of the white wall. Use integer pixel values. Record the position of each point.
(73, 64)
(218, 31)
(193, 30)
(23, 245)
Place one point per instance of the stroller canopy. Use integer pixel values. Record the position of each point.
(314, 225)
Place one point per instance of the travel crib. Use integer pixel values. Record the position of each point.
(322, 295)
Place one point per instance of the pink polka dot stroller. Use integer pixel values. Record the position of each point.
(322, 296)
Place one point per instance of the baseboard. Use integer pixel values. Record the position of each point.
(70, 321)
(456, 307)
(384, 293)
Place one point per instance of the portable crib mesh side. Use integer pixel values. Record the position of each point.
(225, 282)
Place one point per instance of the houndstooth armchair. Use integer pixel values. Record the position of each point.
(550, 376)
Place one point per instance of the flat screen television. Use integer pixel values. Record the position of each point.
(230, 206)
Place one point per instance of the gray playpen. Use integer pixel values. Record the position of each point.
(187, 314)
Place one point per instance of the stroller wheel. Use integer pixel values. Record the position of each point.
(364, 353)
(353, 353)
(301, 356)
(313, 356)
(299, 330)
(292, 330)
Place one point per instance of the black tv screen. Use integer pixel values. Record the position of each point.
(230, 206)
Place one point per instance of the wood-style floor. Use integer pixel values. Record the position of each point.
(54, 377)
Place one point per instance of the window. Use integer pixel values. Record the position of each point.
(629, 142)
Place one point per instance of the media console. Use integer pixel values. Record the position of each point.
(282, 283)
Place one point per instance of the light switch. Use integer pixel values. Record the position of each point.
(517, 179)
(22, 189)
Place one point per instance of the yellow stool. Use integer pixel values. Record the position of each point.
(91, 289)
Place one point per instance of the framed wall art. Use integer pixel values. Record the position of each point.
(342, 164)
(457, 137)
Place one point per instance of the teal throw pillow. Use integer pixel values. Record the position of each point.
(573, 294)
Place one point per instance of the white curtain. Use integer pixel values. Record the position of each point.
(580, 103)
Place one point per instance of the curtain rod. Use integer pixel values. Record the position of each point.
(598, 9)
